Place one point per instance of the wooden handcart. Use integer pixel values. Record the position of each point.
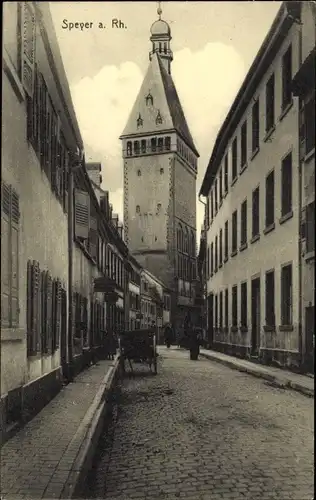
(138, 346)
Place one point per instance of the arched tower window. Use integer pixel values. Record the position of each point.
(168, 143)
(153, 143)
(143, 146)
(160, 144)
(186, 240)
(161, 171)
(137, 209)
(158, 118)
(136, 147)
(165, 47)
(139, 121)
(139, 173)
(160, 47)
(158, 208)
(179, 237)
(149, 99)
(192, 244)
(129, 148)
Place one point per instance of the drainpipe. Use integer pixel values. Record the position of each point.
(172, 164)
(204, 283)
(300, 184)
(75, 163)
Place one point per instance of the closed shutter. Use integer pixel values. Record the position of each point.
(82, 213)
(93, 237)
(44, 312)
(29, 305)
(28, 37)
(49, 315)
(43, 122)
(15, 219)
(5, 255)
(58, 314)
(54, 147)
(35, 284)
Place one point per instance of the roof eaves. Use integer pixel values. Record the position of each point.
(241, 101)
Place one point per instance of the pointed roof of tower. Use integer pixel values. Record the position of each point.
(158, 84)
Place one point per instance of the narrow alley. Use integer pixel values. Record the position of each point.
(199, 430)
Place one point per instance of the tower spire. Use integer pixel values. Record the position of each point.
(159, 10)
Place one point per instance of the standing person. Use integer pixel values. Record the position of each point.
(168, 335)
(111, 344)
(194, 344)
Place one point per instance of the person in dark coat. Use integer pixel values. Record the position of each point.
(194, 344)
(111, 344)
(168, 336)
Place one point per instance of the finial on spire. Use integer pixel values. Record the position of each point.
(159, 10)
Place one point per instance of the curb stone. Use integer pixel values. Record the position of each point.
(85, 441)
(281, 382)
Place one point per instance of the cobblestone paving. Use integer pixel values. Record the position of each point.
(199, 430)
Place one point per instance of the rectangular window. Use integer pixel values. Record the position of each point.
(255, 212)
(207, 212)
(234, 232)
(226, 241)
(255, 126)
(10, 231)
(270, 113)
(234, 306)
(309, 118)
(221, 310)
(270, 299)
(234, 159)
(287, 78)
(270, 199)
(208, 263)
(212, 205)
(226, 173)
(212, 259)
(310, 227)
(220, 186)
(226, 308)
(243, 305)
(215, 196)
(243, 223)
(243, 145)
(216, 311)
(216, 253)
(221, 247)
(286, 186)
(286, 295)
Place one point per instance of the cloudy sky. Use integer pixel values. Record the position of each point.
(214, 44)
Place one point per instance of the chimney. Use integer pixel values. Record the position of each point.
(104, 204)
(120, 229)
(94, 170)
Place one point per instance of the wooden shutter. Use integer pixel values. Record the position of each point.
(29, 305)
(49, 315)
(54, 148)
(35, 286)
(58, 314)
(43, 122)
(28, 38)
(15, 219)
(5, 255)
(93, 237)
(82, 213)
(43, 312)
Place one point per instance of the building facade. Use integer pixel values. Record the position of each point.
(134, 287)
(39, 136)
(253, 209)
(160, 169)
(304, 87)
(155, 303)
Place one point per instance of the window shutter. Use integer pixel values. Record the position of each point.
(34, 295)
(15, 218)
(29, 305)
(5, 255)
(82, 212)
(93, 237)
(58, 313)
(49, 316)
(28, 37)
(43, 312)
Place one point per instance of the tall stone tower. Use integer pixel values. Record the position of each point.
(160, 169)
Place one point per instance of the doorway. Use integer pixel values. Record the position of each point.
(63, 332)
(255, 317)
(310, 338)
(210, 319)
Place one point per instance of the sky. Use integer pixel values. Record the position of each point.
(213, 43)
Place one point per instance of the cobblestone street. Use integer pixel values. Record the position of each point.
(199, 430)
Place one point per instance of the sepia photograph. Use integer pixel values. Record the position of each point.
(157, 250)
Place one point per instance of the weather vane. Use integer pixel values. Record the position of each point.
(159, 10)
